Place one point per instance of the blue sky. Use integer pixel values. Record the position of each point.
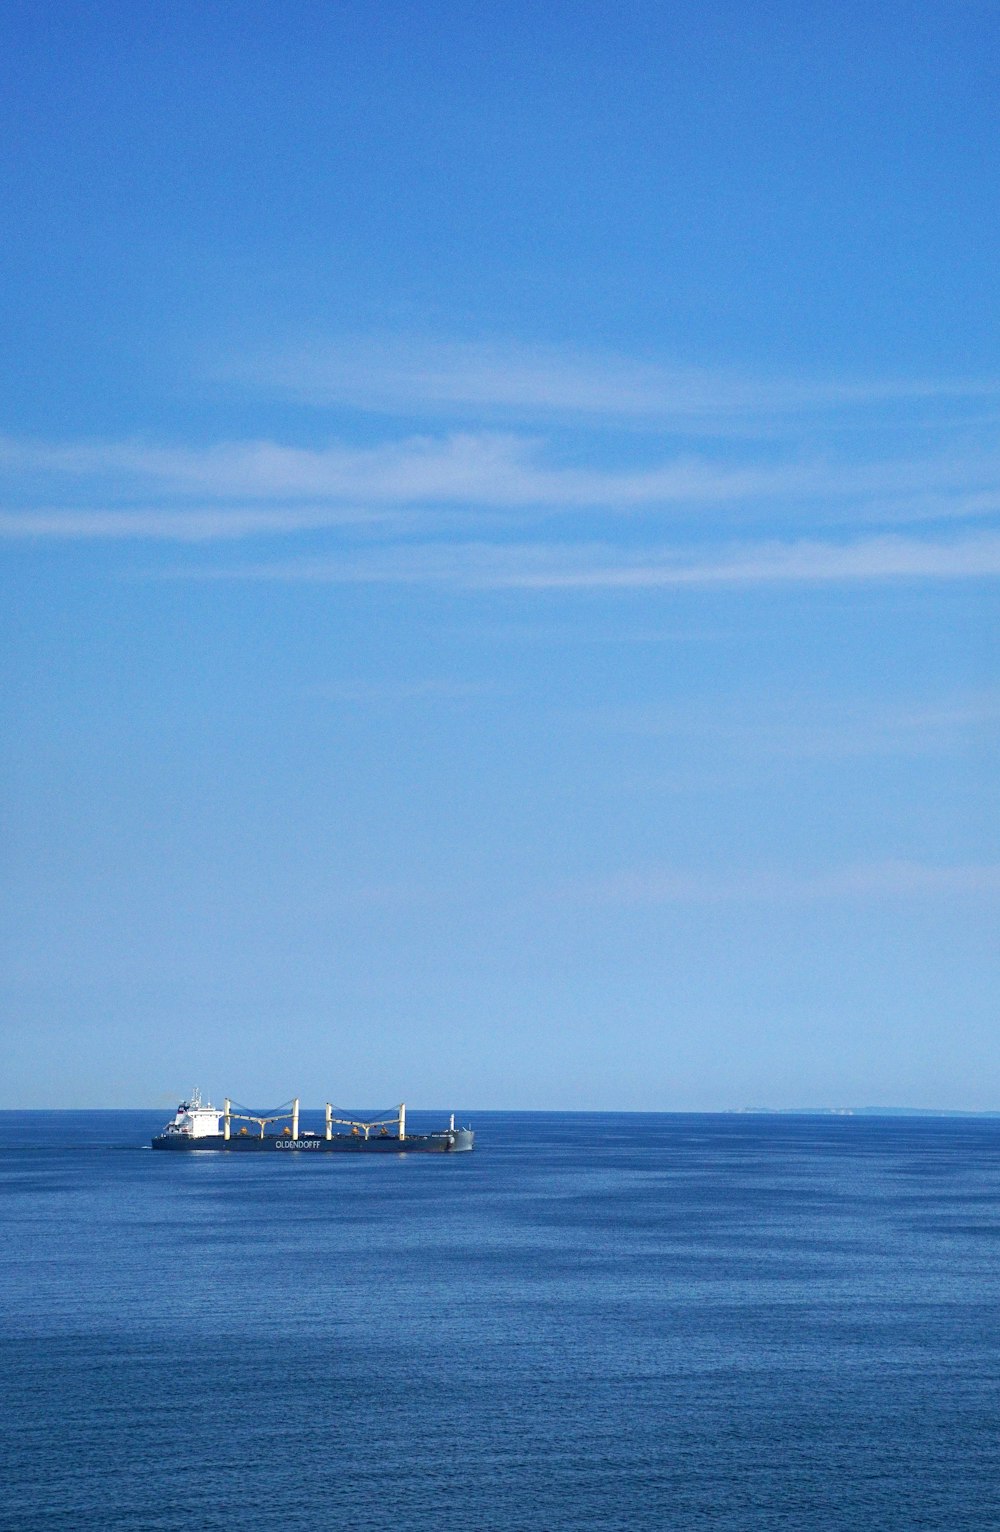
(499, 548)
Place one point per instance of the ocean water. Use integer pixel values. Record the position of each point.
(600, 1321)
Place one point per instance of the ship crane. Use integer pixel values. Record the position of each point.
(356, 1125)
(279, 1115)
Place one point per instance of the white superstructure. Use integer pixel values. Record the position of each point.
(196, 1118)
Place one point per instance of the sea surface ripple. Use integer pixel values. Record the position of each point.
(593, 1321)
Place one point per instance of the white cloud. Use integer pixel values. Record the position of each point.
(801, 561)
(803, 726)
(581, 566)
(408, 471)
(208, 524)
(481, 468)
(398, 374)
(494, 470)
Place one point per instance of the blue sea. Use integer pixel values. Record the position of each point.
(591, 1322)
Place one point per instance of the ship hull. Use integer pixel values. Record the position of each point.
(461, 1140)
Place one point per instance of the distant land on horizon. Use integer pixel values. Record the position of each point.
(862, 1111)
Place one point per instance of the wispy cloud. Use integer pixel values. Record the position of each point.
(220, 523)
(482, 468)
(478, 565)
(485, 503)
(479, 467)
(802, 561)
(803, 726)
(404, 375)
(494, 470)
(879, 880)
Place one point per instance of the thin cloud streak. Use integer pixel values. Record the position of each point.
(212, 524)
(541, 567)
(505, 471)
(803, 561)
(482, 468)
(743, 729)
(400, 375)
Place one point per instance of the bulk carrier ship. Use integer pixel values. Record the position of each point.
(199, 1125)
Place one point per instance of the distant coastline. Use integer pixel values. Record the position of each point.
(859, 1111)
